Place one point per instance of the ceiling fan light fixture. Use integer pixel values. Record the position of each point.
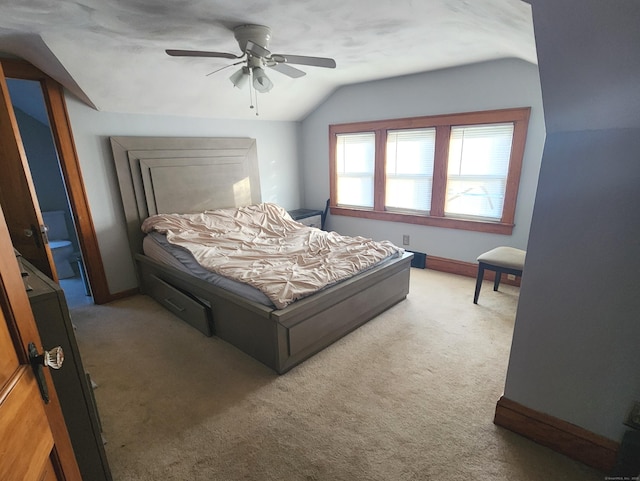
(240, 78)
(261, 82)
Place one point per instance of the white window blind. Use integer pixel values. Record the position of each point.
(477, 170)
(409, 169)
(355, 164)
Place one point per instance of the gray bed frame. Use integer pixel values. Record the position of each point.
(192, 174)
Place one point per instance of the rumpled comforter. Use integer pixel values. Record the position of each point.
(262, 246)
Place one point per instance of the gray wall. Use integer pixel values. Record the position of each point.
(575, 346)
(277, 144)
(484, 86)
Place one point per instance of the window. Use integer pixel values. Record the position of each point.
(460, 170)
(355, 157)
(409, 170)
(477, 170)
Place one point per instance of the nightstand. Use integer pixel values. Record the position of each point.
(309, 217)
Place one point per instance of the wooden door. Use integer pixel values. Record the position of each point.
(17, 193)
(59, 122)
(34, 441)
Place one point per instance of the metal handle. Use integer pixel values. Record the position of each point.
(52, 358)
(168, 301)
(31, 233)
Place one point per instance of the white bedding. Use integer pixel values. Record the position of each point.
(156, 247)
(262, 246)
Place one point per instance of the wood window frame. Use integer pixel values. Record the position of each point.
(442, 123)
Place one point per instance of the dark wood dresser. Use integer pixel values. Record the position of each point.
(72, 383)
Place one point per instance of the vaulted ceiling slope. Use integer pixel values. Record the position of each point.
(111, 53)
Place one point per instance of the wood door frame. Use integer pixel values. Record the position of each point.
(60, 125)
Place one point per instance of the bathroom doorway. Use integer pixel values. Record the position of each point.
(33, 123)
(23, 195)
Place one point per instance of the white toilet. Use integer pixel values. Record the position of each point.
(59, 242)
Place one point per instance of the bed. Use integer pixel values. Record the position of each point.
(163, 175)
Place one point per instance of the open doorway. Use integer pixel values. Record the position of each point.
(33, 122)
(23, 192)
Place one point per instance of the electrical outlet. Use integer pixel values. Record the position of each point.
(405, 240)
(633, 418)
(511, 277)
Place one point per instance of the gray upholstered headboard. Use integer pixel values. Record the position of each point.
(159, 175)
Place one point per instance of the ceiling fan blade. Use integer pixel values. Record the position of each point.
(199, 53)
(256, 50)
(304, 60)
(288, 70)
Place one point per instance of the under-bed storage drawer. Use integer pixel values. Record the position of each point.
(335, 321)
(183, 305)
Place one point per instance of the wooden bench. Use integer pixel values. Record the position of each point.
(507, 260)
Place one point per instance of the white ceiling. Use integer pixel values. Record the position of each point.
(110, 53)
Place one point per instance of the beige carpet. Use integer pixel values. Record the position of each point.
(409, 396)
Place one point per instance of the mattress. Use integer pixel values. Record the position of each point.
(262, 246)
(157, 247)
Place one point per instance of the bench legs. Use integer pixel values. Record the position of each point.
(478, 282)
(496, 283)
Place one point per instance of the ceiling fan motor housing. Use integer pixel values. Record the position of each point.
(258, 34)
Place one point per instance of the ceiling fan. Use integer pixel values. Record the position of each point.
(254, 44)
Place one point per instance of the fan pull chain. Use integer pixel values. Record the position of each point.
(252, 92)
(257, 112)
